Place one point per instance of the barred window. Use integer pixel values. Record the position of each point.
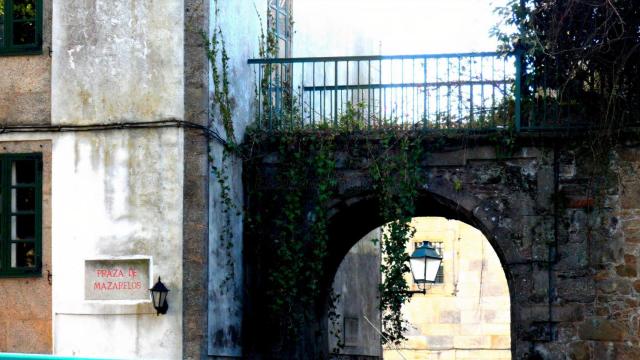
(20, 214)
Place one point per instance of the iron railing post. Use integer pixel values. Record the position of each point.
(335, 96)
(518, 88)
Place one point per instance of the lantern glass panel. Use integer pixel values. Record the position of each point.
(432, 269)
(418, 269)
(163, 298)
(156, 298)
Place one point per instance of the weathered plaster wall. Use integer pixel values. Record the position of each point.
(117, 193)
(25, 317)
(240, 26)
(117, 61)
(25, 82)
(355, 330)
(320, 30)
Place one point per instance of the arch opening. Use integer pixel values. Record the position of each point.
(465, 316)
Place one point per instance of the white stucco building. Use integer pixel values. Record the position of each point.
(107, 147)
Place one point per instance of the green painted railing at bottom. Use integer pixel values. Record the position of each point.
(21, 356)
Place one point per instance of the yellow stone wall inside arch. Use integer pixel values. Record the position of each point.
(466, 317)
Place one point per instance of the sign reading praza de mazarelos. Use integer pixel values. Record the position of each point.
(116, 279)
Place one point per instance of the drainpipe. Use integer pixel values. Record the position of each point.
(553, 248)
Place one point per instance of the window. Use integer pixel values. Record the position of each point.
(20, 27)
(20, 214)
(280, 23)
(351, 331)
(440, 249)
(281, 28)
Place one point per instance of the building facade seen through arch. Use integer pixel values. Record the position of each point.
(465, 315)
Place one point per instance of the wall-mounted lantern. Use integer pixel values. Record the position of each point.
(425, 262)
(159, 297)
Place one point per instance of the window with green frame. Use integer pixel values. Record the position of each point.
(20, 214)
(20, 27)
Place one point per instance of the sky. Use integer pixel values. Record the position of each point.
(390, 27)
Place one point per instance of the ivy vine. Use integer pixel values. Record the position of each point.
(300, 235)
(222, 107)
(297, 239)
(396, 179)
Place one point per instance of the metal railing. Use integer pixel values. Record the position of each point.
(22, 356)
(437, 91)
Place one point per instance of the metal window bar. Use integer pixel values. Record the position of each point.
(440, 275)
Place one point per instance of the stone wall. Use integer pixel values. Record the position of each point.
(596, 272)
(25, 82)
(196, 181)
(25, 99)
(562, 222)
(25, 319)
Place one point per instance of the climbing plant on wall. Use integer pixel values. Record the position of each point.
(297, 232)
(221, 110)
(396, 178)
(295, 237)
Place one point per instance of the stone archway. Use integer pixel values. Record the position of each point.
(464, 314)
(571, 269)
(357, 216)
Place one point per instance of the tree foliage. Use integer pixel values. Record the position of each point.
(582, 54)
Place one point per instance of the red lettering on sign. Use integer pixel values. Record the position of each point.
(117, 285)
(109, 273)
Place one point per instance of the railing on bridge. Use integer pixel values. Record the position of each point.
(437, 91)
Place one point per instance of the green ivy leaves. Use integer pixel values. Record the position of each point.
(396, 178)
